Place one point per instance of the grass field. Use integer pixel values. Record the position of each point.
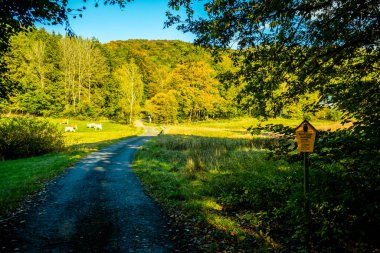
(237, 128)
(215, 178)
(88, 138)
(23, 177)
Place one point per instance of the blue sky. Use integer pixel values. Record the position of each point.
(141, 19)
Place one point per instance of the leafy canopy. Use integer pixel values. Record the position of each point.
(304, 43)
(287, 49)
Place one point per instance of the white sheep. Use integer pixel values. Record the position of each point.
(98, 127)
(91, 125)
(69, 129)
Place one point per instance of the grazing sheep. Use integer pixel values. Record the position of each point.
(91, 125)
(98, 127)
(69, 129)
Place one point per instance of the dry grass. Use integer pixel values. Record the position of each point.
(237, 128)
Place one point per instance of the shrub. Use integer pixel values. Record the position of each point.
(345, 185)
(25, 137)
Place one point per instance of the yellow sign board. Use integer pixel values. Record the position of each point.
(305, 137)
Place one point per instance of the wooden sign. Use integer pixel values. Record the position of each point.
(305, 137)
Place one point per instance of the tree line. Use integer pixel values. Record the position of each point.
(171, 81)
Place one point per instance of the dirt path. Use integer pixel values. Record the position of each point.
(96, 206)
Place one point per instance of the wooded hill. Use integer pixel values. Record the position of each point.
(170, 80)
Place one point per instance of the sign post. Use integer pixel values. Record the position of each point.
(305, 137)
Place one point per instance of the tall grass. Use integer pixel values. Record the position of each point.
(226, 188)
(237, 128)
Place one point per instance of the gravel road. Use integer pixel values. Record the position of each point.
(98, 205)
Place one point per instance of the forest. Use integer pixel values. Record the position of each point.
(172, 81)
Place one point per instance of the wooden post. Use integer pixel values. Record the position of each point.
(307, 199)
(305, 136)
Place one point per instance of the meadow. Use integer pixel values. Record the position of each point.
(221, 186)
(24, 177)
(237, 128)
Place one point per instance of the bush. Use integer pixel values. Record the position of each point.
(25, 137)
(345, 186)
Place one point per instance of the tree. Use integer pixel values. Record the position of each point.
(31, 64)
(83, 67)
(131, 88)
(163, 107)
(16, 16)
(198, 94)
(313, 40)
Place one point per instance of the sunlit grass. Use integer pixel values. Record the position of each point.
(217, 174)
(85, 137)
(218, 183)
(22, 177)
(237, 128)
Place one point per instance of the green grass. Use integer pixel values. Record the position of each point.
(222, 186)
(215, 176)
(23, 177)
(94, 139)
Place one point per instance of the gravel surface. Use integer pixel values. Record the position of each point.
(98, 205)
